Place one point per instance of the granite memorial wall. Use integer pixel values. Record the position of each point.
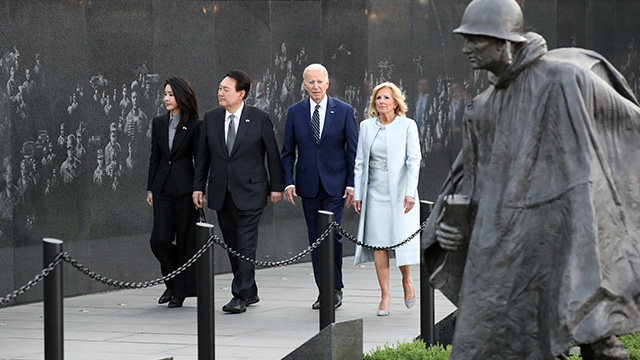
(81, 81)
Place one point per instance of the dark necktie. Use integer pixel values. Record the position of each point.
(315, 124)
(231, 134)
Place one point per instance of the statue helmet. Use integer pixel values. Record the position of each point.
(500, 19)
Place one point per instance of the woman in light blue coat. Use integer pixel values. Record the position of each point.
(385, 189)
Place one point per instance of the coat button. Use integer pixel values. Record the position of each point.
(169, 162)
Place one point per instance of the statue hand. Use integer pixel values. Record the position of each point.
(450, 238)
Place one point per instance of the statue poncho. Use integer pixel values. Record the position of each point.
(551, 162)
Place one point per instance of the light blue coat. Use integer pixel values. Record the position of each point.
(403, 163)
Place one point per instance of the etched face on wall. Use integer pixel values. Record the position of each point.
(8, 174)
(134, 99)
(23, 168)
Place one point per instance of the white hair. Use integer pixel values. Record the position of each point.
(315, 67)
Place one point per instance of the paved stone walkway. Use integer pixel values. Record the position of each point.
(129, 324)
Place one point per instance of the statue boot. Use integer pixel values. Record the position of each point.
(604, 349)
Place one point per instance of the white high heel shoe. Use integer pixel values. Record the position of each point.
(384, 312)
(409, 303)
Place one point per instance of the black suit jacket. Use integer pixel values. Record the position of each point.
(180, 161)
(243, 172)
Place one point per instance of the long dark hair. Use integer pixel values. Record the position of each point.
(185, 97)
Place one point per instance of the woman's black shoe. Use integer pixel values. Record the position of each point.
(175, 302)
(165, 297)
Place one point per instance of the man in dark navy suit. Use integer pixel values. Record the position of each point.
(234, 140)
(324, 131)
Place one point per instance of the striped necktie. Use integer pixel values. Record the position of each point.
(315, 124)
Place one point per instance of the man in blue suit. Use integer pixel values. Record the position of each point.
(324, 131)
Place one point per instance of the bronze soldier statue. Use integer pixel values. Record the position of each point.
(535, 237)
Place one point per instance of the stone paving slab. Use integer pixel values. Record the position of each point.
(129, 324)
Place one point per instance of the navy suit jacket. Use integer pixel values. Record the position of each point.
(332, 160)
(243, 172)
(177, 163)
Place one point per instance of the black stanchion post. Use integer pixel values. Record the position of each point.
(53, 310)
(427, 302)
(326, 262)
(205, 288)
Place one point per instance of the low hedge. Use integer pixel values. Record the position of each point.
(417, 350)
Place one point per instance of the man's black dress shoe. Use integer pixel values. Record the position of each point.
(252, 300)
(337, 300)
(175, 302)
(235, 306)
(165, 297)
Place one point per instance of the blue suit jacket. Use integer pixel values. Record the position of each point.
(332, 160)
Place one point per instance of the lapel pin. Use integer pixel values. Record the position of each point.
(247, 120)
(332, 111)
(184, 128)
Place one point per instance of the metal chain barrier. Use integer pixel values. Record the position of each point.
(59, 258)
(269, 264)
(138, 285)
(64, 256)
(213, 239)
(366, 246)
(315, 244)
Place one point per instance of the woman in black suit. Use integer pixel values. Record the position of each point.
(174, 145)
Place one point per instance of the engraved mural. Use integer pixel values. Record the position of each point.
(77, 95)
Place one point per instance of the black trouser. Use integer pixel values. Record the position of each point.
(174, 218)
(240, 231)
